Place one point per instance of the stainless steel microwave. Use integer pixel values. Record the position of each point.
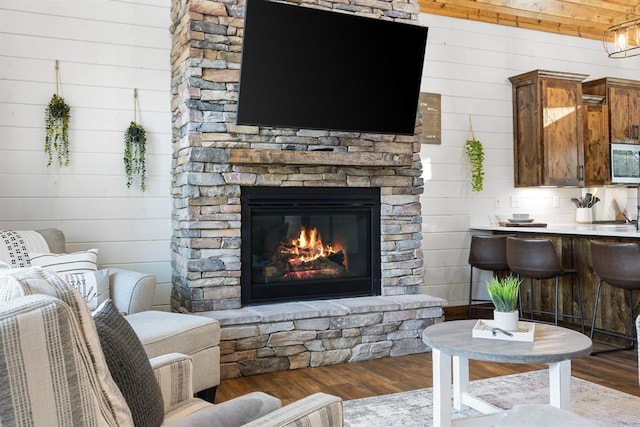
(625, 164)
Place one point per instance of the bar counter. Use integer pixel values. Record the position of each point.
(587, 230)
(572, 244)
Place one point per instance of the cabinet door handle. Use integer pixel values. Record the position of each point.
(581, 173)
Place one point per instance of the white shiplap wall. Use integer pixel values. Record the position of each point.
(469, 63)
(105, 48)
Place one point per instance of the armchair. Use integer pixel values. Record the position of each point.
(132, 293)
(69, 380)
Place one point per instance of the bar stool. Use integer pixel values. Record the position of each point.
(537, 259)
(487, 252)
(617, 264)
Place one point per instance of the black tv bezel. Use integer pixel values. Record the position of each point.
(402, 122)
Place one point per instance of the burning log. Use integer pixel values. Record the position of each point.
(306, 258)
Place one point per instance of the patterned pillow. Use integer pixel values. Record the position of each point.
(129, 366)
(93, 286)
(75, 262)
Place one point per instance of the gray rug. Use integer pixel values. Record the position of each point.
(414, 408)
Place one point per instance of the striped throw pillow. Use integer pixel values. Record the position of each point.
(71, 263)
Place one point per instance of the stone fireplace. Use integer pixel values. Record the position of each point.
(214, 160)
(301, 243)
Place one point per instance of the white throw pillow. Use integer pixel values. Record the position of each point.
(93, 286)
(75, 262)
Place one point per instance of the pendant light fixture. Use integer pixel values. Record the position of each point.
(623, 40)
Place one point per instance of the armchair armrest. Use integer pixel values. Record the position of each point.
(317, 410)
(173, 371)
(131, 291)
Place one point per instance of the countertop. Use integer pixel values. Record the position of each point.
(602, 230)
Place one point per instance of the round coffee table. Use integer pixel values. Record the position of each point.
(552, 345)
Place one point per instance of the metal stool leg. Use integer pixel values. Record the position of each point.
(520, 301)
(631, 325)
(555, 319)
(470, 292)
(595, 310)
(531, 298)
(579, 304)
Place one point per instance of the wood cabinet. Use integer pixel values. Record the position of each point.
(595, 119)
(623, 102)
(548, 129)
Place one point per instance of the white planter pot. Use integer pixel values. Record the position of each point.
(506, 321)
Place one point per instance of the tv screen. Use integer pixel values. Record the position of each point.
(315, 69)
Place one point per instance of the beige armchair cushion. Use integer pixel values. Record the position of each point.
(162, 332)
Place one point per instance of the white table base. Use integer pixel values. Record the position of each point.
(559, 391)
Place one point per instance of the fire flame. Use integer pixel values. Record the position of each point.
(308, 257)
(308, 246)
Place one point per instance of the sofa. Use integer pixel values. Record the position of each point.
(132, 293)
(62, 364)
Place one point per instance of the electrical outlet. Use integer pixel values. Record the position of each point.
(497, 202)
(556, 201)
(515, 203)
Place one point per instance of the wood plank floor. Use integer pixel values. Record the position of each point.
(618, 370)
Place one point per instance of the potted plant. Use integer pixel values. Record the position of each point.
(504, 295)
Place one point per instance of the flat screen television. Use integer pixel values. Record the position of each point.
(317, 69)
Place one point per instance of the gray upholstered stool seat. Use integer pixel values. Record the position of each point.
(163, 332)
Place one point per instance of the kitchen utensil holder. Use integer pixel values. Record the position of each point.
(584, 215)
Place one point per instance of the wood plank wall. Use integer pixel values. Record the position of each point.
(469, 64)
(105, 50)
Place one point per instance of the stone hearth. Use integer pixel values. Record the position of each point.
(213, 158)
(277, 337)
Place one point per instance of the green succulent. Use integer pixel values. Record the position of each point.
(504, 293)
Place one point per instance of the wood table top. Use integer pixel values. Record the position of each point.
(551, 344)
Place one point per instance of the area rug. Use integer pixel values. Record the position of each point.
(414, 408)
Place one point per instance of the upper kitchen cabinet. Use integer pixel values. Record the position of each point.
(595, 119)
(623, 102)
(548, 129)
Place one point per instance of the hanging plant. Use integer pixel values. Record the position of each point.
(135, 141)
(475, 152)
(57, 130)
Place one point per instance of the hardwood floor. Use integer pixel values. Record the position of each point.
(618, 370)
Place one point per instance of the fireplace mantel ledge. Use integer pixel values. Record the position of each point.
(339, 158)
(287, 311)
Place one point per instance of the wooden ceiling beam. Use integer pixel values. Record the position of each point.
(587, 19)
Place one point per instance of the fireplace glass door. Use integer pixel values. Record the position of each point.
(307, 243)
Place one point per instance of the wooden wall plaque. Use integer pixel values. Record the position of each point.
(429, 105)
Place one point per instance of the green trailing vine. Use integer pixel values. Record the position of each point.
(475, 152)
(135, 141)
(57, 115)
